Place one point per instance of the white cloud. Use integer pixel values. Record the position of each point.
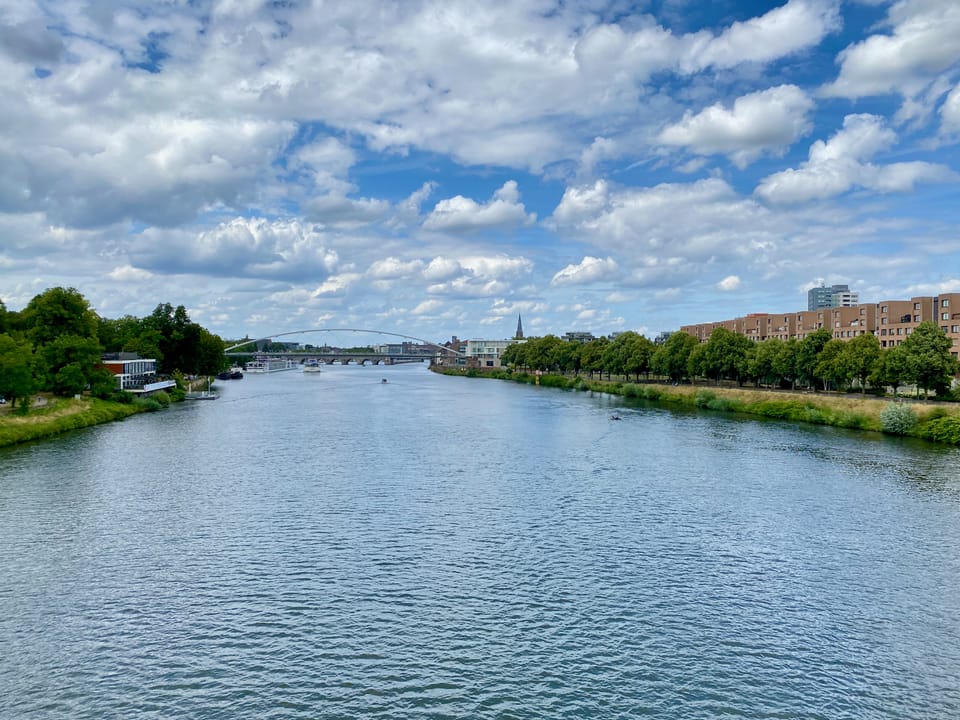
(458, 213)
(242, 247)
(924, 41)
(698, 222)
(950, 113)
(427, 307)
(780, 32)
(765, 121)
(127, 273)
(729, 283)
(838, 165)
(589, 270)
(393, 268)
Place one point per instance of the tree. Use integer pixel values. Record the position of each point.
(70, 350)
(861, 355)
(16, 369)
(640, 351)
(591, 355)
(929, 362)
(785, 364)
(723, 355)
(807, 357)
(568, 356)
(672, 357)
(513, 356)
(59, 311)
(762, 361)
(69, 380)
(832, 364)
(892, 369)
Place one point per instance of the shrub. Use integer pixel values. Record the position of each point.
(944, 429)
(703, 398)
(897, 419)
(162, 398)
(147, 404)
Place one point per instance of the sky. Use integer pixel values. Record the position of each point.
(439, 168)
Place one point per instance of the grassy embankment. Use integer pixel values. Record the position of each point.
(936, 422)
(53, 416)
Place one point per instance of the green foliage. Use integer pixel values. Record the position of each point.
(929, 362)
(943, 430)
(16, 369)
(161, 397)
(69, 380)
(103, 383)
(57, 312)
(703, 398)
(38, 426)
(724, 355)
(861, 357)
(147, 404)
(897, 419)
(808, 355)
(672, 358)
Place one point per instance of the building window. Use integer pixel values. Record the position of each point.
(945, 302)
(955, 328)
(883, 321)
(883, 308)
(944, 328)
(909, 330)
(916, 306)
(945, 316)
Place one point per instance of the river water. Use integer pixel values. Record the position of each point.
(331, 546)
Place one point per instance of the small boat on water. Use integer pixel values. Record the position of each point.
(383, 381)
(311, 366)
(233, 373)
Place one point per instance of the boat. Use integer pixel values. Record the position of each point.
(311, 366)
(271, 365)
(233, 373)
(383, 380)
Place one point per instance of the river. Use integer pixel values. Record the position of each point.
(332, 546)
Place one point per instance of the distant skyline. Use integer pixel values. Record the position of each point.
(437, 168)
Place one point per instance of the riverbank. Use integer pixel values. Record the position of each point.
(937, 422)
(60, 415)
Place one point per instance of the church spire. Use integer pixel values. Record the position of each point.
(519, 335)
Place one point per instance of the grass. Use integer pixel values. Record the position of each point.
(60, 415)
(937, 423)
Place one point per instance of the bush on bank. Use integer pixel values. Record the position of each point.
(936, 424)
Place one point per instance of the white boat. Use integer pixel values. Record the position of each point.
(311, 366)
(270, 365)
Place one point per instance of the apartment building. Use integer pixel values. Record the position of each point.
(891, 321)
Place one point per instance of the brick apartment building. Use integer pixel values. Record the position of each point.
(891, 321)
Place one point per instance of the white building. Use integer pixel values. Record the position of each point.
(486, 353)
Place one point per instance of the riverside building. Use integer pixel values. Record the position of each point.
(891, 321)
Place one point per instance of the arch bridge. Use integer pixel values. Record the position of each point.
(345, 357)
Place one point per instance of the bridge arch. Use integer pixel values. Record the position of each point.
(358, 330)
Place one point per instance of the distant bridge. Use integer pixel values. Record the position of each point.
(346, 357)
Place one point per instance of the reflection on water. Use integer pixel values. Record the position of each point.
(333, 546)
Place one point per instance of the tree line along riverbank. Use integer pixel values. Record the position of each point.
(936, 422)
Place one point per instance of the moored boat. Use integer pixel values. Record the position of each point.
(271, 365)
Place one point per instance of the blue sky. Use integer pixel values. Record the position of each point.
(436, 168)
